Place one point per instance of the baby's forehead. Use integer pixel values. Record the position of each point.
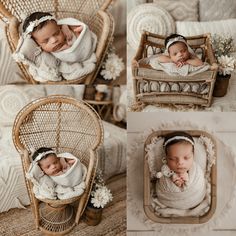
(177, 45)
(50, 157)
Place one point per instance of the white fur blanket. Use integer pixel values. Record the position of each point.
(59, 187)
(170, 195)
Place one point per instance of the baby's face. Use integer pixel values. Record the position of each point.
(179, 52)
(50, 37)
(180, 157)
(51, 165)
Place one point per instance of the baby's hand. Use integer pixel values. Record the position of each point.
(180, 63)
(77, 29)
(179, 182)
(67, 32)
(70, 161)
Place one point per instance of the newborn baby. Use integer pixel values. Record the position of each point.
(56, 176)
(181, 182)
(178, 59)
(56, 49)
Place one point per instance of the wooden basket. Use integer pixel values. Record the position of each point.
(92, 12)
(151, 44)
(148, 208)
(66, 125)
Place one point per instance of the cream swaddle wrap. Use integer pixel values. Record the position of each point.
(171, 69)
(188, 197)
(73, 175)
(69, 184)
(83, 46)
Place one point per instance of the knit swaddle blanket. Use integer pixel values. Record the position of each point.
(64, 186)
(83, 46)
(194, 191)
(166, 198)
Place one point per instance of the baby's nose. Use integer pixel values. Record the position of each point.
(180, 162)
(53, 39)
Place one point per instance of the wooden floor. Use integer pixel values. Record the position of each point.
(223, 126)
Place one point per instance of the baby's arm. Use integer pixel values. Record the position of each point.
(77, 29)
(194, 61)
(67, 32)
(70, 161)
(163, 59)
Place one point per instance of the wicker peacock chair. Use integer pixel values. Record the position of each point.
(66, 125)
(92, 12)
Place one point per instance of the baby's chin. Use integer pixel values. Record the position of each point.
(55, 173)
(181, 170)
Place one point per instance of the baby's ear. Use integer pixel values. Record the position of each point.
(27, 49)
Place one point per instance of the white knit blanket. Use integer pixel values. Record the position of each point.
(46, 187)
(71, 177)
(178, 199)
(172, 69)
(82, 48)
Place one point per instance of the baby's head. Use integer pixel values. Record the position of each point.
(179, 149)
(43, 28)
(177, 47)
(47, 161)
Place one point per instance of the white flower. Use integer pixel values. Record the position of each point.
(112, 67)
(101, 196)
(226, 64)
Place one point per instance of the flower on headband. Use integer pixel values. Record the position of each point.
(43, 154)
(176, 39)
(36, 22)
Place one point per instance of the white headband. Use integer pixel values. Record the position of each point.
(35, 23)
(178, 138)
(176, 39)
(41, 155)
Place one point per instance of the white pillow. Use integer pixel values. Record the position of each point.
(217, 9)
(59, 90)
(13, 98)
(180, 10)
(79, 91)
(9, 72)
(221, 27)
(75, 91)
(148, 17)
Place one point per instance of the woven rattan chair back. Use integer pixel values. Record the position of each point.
(92, 12)
(149, 184)
(67, 125)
